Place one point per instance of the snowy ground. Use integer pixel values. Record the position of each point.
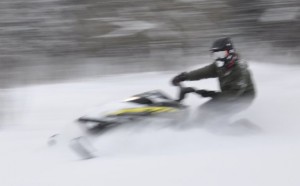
(271, 156)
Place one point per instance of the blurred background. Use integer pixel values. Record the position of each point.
(59, 58)
(54, 40)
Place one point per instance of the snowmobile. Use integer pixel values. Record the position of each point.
(137, 109)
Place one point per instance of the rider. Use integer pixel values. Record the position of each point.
(237, 89)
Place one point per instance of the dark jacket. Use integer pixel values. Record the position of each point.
(234, 83)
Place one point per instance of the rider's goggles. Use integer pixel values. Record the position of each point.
(219, 54)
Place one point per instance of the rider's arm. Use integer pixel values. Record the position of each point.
(229, 94)
(208, 71)
(233, 89)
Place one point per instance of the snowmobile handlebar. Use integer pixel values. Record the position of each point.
(183, 91)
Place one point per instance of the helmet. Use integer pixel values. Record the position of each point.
(222, 44)
(223, 52)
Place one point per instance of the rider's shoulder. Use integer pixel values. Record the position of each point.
(242, 63)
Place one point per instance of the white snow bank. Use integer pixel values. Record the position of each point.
(150, 156)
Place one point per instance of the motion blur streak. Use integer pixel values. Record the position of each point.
(59, 58)
(66, 39)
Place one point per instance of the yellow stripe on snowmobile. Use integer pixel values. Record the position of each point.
(144, 110)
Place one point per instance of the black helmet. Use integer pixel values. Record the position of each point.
(222, 44)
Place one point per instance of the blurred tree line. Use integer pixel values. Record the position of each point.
(51, 39)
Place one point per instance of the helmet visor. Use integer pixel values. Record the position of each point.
(219, 54)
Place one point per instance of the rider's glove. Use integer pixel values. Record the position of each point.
(179, 78)
(206, 93)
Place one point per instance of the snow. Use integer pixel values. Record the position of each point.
(152, 156)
